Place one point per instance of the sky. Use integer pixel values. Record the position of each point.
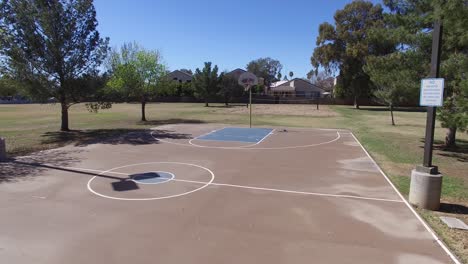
(227, 33)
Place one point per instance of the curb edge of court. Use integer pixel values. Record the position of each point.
(428, 228)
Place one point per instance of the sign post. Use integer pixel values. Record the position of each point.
(248, 79)
(250, 106)
(3, 156)
(426, 181)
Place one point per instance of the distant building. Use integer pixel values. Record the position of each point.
(296, 88)
(180, 76)
(235, 74)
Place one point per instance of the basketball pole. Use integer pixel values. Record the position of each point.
(250, 105)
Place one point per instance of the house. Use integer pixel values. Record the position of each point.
(235, 74)
(180, 76)
(296, 88)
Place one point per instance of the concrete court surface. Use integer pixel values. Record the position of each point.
(296, 196)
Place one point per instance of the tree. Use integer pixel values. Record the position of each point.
(230, 88)
(168, 87)
(135, 73)
(266, 68)
(345, 46)
(50, 45)
(291, 74)
(385, 70)
(9, 86)
(206, 82)
(278, 76)
(412, 24)
(322, 79)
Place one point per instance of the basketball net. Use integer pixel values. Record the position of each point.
(246, 86)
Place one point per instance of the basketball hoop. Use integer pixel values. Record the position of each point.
(247, 80)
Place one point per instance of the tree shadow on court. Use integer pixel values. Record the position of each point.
(110, 136)
(19, 169)
(27, 167)
(453, 208)
(460, 152)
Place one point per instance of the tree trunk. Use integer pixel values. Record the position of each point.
(450, 137)
(206, 102)
(391, 113)
(64, 125)
(143, 115)
(356, 104)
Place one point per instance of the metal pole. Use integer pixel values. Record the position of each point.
(3, 156)
(250, 105)
(431, 111)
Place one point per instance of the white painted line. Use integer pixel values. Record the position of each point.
(206, 134)
(428, 228)
(152, 198)
(267, 135)
(253, 187)
(244, 146)
(247, 147)
(294, 192)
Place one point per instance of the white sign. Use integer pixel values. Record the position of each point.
(432, 92)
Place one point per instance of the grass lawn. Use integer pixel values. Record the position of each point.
(397, 149)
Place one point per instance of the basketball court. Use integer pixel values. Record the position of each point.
(206, 193)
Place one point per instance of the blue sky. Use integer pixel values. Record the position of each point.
(227, 33)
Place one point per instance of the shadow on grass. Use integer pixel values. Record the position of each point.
(459, 152)
(116, 136)
(170, 122)
(397, 109)
(226, 106)
(453, 209)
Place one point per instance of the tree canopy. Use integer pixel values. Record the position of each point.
(229, 88)
(410, 24)
(393, 76)
(206, 82)
(135, 73)
(266, 68)
(50, 45)
(345, 46)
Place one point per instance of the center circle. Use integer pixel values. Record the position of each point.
(149, 175)
(153, 177)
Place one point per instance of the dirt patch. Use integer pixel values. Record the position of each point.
(280, 109)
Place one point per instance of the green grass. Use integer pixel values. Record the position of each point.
(397, 149)
(453, 188)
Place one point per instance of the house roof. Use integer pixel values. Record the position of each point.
(236, 73)
(285, 86)
(278, 83)
(308, 82)
(178, 71)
